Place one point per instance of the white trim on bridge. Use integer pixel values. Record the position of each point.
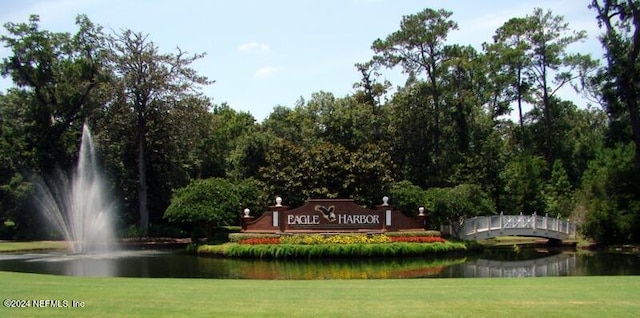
(486, 227)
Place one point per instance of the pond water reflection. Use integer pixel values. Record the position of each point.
(528, 263)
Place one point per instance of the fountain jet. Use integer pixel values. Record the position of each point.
(80, 208)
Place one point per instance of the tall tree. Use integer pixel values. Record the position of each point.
(150, 83)
(57, 73)
(418, 109)
(225, 129)
(419, 47)
(507, 61)
(56, 76)
(371, 92)
(345, 121)
(523, 180)
(551, 66)
(621, 40)
(461, 95)
(14, 157)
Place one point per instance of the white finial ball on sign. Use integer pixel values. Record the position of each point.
(246, 212)
(278, 201)
(385, 200)
(421, 210)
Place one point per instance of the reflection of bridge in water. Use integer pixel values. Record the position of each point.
(556, 265)
(486, 227)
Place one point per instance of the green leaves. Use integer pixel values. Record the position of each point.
(419, 42)
(215, 202)
(621, 40)
(609, 193)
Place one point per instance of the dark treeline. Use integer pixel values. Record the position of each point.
(443, 139)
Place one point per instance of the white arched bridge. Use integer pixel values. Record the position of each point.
(486, 227)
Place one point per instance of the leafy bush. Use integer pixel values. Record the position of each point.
(253, 195)
(407, 197)
(523, 179)
(211, 203)
(442, 205)
(610, 193)
(558, 193)
(462, 201)
(219, 250)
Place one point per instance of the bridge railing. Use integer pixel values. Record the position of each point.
(533, 224)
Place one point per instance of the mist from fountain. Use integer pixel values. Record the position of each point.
(80, 208)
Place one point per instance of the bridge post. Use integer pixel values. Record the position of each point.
(475, 225)
(546, 221)
(535, 220)
(501, 220)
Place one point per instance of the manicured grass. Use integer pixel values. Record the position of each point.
(615, 296)
(17, 246)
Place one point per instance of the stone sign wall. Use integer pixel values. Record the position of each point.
(330, 215)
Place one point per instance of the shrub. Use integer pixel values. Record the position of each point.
(462, 201)
(610, 191)
(210, 203)
(407, 197)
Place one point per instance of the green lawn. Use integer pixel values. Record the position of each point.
(617, 296)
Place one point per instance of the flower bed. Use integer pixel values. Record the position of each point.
(332, 245)
(239, 237)
(263, 240)
(417, 239)
(316, 239)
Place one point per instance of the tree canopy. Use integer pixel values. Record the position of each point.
(456, 137)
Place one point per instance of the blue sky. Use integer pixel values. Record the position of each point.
(272, 52)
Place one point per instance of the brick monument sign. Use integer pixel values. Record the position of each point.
(330, 215)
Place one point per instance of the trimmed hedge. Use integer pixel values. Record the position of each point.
(285, 251)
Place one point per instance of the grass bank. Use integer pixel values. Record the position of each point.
(615, 296)
(18, 246)
(290, 251)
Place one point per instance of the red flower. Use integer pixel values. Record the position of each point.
(417, 239)
(265, 240)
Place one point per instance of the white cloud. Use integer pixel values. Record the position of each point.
(266, 71)
(253, 47)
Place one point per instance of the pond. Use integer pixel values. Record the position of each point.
(491, 263)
